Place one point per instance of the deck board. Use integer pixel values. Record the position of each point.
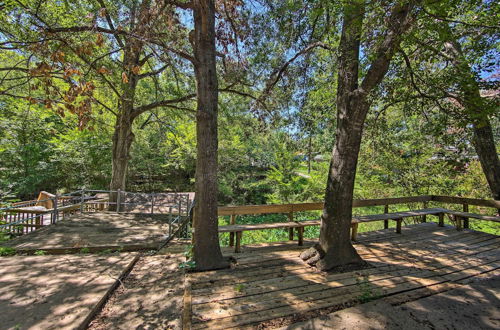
(94, 230)
(270, 281)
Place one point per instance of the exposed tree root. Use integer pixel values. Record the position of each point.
(316, 256)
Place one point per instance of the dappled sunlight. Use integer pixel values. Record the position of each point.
(55, 291)
(103, 229)
(270, 285)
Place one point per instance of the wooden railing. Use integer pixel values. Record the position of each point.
(289, 209)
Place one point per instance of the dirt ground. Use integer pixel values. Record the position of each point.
(55, 292)
(151, 297)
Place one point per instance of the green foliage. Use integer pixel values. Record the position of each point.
(40, 253)
(417, 140)
(84, 250)
(239, 287)
(106, 252)
(7, 251)
(368, 291)
(187, 265)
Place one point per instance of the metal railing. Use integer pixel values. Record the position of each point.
(23, 217)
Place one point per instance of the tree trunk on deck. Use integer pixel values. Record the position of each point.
(207, 253)
(335, 248)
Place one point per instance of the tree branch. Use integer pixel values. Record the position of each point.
(277, 74)
(139, 110)
(399, 21)
(110, 23)
(153, 73)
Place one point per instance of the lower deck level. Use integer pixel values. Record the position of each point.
(270, 286)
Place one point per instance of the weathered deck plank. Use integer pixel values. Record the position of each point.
(96, 230)
(270, 281)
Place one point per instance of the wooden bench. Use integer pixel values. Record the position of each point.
(300, 225)
(239, 229)
(462, 218)
(396, 216)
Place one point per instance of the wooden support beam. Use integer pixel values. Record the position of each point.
(386, 222)
(424, 217)
(458, 222)
(300, 234)
(231, 235)
(465, 208)
(354, 232)
(237, 247)
(441, 219)
(290, 230)
(398, 225)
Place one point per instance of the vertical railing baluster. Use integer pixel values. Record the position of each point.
(118, 201)
(56, 215)
(82, 200)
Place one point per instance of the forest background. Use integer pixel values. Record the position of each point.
(276, 109)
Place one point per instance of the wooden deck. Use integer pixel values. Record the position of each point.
(270, 286)
(96, 231)
(57, 292)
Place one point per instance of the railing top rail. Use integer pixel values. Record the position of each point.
(287, 208)
(465, 200)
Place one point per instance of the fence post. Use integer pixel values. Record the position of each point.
(465, 208)
(424, 217)
(231, 234)
(386, 222)
(118, 200)
(56, 213)
(152, 203)
(290, 230)
(179, 206)
(82, 200)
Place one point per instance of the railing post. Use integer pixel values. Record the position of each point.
(386, 222)
(290, 230)
(465, 208)
(118, 200)
(441, 220)
(424, 217)
(56, 213)
(179, 205)
(82, 200)
(231, 234)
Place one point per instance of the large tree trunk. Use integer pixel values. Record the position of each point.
(122, 141)
(335, 248)
(476, 110)
(485, 148)
(123, 135)
(207, 253)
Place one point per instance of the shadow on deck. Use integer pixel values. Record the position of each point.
(271, 287)
(96, 231)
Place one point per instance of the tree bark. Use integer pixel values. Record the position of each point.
(207, 253)
(335, 248)
(485, 148)
(475, 107)
(123, 135)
